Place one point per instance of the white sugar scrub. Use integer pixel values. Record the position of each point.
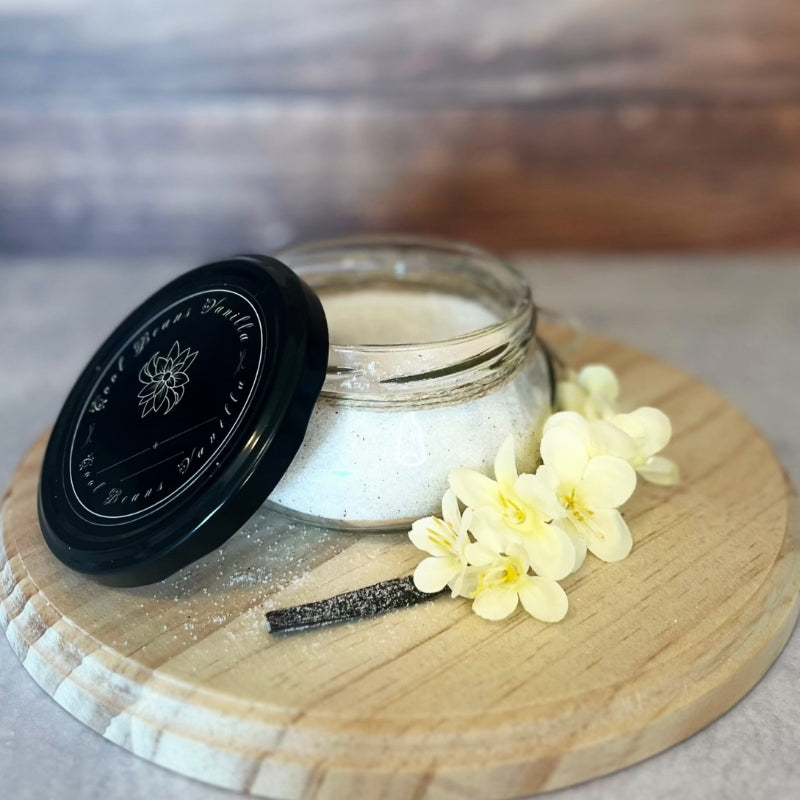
(372, 467)
(401, 316)
(432, 363)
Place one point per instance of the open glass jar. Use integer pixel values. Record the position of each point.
(433, 361)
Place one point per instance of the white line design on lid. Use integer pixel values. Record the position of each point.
(164, 379)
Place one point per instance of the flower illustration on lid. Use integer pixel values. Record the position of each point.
(164, 379)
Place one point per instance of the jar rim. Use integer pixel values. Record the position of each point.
(365, 370)
(430, 244)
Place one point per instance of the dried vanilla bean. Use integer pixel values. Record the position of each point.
(389, 595)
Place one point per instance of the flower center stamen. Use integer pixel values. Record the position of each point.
(438, 538)
(572, 505)
(512, 513)
(508, 573)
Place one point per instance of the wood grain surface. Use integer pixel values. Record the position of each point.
(432, 701)
(141, 127)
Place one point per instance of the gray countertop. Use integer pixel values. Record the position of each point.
(732, 321)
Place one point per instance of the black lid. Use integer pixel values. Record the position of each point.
(183, 421)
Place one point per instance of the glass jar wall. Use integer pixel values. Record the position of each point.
(433, 361)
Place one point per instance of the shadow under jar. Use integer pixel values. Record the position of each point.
(433, 361)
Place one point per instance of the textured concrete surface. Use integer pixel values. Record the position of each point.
(734, 322)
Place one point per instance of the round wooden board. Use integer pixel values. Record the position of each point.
(432, 701)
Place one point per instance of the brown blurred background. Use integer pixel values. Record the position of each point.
(190, 128)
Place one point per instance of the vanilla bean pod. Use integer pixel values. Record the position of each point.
(389, 595)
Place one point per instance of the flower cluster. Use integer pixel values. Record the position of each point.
(519, 535)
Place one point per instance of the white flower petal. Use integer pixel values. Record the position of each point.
(551, 553)
(570, 396)
(565, 452)
(543, 599)
(660, 470)
(433, 574)
(480, 554)
(571, 420)
(173, 396)
(450, 511)
(433, 536)
(599, 380)
(186, 359)
(473, 488)
(466, 523)
(578, 542)
(160, 397)
(489, 529)
(465, 584)
(145, 373)
(607, 483)
(614, 541)
(518, 557)
(176, 395)
(628, 424)
(649, 427)
(496, 603)
(610, 440)
(505, 465)
(657, 427)
(538, 492)
(549, 477)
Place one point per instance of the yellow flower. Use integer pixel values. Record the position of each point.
(601, 437)
(592, 392)
(503, 517)
(634, 437)
(445, 539)
(497, 582)
(649, 431)
(589, 487)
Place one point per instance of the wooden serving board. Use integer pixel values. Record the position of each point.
(431, 701)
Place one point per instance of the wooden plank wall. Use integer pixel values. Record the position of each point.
(140, 127)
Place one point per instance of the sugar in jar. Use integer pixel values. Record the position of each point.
(433, 361)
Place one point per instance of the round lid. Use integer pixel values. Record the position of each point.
(183, 421)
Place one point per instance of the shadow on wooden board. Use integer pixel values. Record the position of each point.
(141, 128)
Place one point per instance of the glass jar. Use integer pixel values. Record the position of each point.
(433, 362)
